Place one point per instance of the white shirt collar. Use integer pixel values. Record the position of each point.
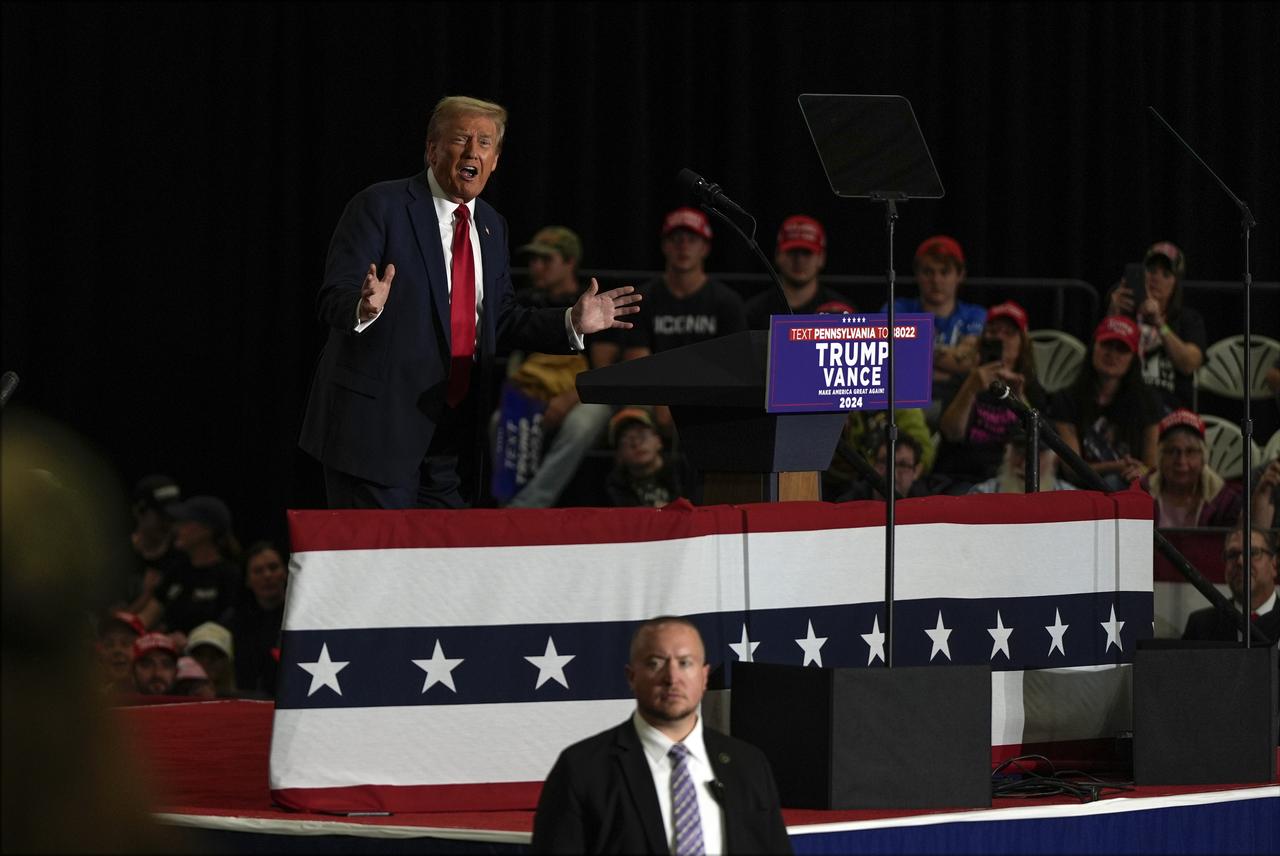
(444, 205)
(1267, 605)
(657, 745)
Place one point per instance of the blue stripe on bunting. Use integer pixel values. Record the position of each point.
(380, 670)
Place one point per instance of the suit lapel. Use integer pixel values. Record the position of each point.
(635, 772)
(426, 228)
(491, 254)
(726, 773)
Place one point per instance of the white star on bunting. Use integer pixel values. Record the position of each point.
(939, 635)
(324, 672)
(551, 665)
(1000, 638)
(746, 648)
(1057, 631)
(1113, 631)
(439, 669)
(875, 641)
(812, 647)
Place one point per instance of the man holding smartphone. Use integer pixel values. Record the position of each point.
(1173, 335)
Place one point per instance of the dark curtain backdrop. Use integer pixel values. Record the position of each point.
(172, 172)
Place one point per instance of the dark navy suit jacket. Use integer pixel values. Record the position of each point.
(599, 798)
(378, 395)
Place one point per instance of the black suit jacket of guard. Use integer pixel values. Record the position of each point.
(599, 798)
(378, 395)
(1209, 624)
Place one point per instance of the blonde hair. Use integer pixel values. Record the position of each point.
(453, 106)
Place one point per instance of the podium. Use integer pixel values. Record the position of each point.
(716, 392)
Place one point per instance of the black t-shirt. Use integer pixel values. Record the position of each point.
(1173, 387)
(769, 302)
(977, 457)
(192, 596)
(1102, 439)
(653, 490)
(666, 321)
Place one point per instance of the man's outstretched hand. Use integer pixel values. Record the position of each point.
(596, 311)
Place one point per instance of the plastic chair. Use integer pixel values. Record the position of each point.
(1058, 358)
(1271, 450)
(1226, 447)
(1223, 369)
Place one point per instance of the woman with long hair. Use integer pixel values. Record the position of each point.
(1109, 416)
(976, 423)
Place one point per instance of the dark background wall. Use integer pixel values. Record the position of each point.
(172, 172)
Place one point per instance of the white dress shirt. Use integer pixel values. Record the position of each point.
(656, 746)
(445, 218)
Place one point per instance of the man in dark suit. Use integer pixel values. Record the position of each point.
(393, 409)
(660, 782)
(1211, 624)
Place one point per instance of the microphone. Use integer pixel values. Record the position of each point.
(706, 192)
(8, 383)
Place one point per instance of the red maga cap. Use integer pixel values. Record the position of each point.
(940, 245)
(1118, 328)
(799, 232)
(687, 218)
(1011, 310)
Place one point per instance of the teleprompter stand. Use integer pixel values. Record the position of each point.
(871, 738)
(1206, 713)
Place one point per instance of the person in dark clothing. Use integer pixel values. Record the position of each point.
(641, 475)
(255, 623)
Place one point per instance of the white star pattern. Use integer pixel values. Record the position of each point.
(1113, 631)
(746, 648)
(939, 635)
(1057, 631)
(1000, 638)
(812, 647)
(324, 672)
(875, 641)
(439, 669)
(551, 665)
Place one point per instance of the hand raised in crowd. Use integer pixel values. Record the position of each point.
(1270, 479)
(1121, 300)
(1131, 468)
(596, 311)
(1150, 312)
(373, 294)
(988, 372)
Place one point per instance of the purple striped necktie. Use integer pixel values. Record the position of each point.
(686, 818)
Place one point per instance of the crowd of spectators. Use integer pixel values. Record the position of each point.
(200, 616)
(196, 616)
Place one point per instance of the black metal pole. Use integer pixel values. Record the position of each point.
(891, 216)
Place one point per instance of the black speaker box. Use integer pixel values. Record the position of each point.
(1204, 713)
(916, 737)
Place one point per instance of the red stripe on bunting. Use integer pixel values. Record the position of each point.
(370, 530)
(406, 799)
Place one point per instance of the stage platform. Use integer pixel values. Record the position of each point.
(208, 761)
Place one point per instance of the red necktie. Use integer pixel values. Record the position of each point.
(462, 308)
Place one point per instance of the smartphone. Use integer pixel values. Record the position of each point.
(1135, 279)
(990, 351)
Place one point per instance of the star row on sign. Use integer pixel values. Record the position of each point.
(550, 664)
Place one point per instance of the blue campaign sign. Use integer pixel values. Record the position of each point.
(821, 363)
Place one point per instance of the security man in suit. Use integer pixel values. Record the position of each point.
(660, 782)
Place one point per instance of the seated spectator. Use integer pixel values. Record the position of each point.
(211, 646)
(152, 539)
(907, 469)
(641, 474)
(207, 584)
(1011, 477)
(255, 623)
(117, 631)
(1265, 493)
(862, 433)
(1211, 624)
(1186, 490)
(1109, 417)
(192, 680)
(570, 427)
(155, 664)
(1173, 336)
(800, 256)
(940, 269)
(977, 424)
